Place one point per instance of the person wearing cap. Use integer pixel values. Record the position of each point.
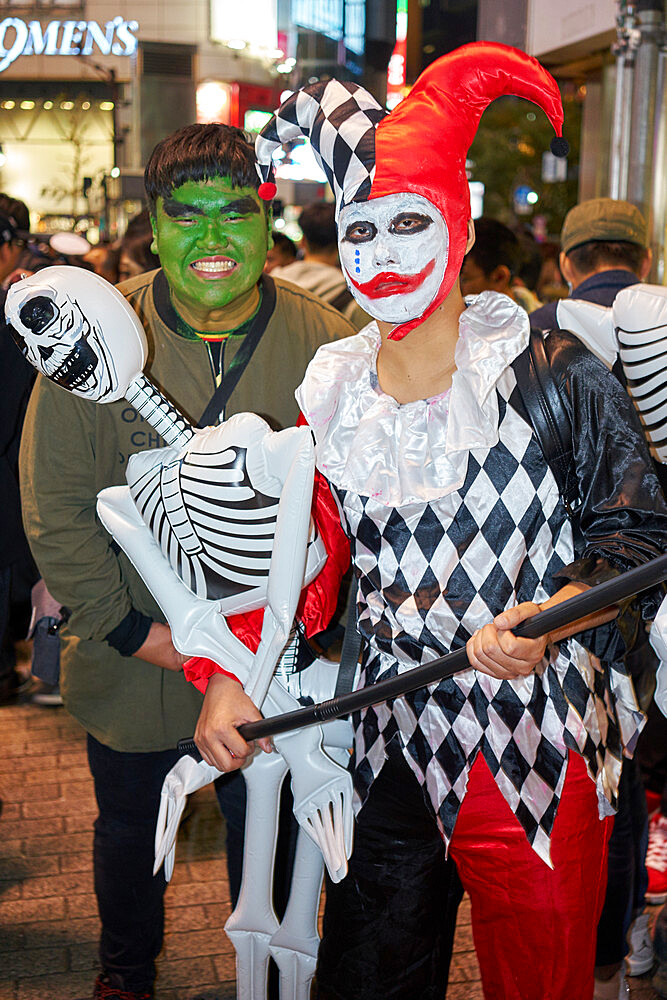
(604, 248)
(458, 533)
(122, 678)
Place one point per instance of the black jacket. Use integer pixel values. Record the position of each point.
(619, 491)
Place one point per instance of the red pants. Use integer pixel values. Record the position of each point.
(534, 927)
(389, 926)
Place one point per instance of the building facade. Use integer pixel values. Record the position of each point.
(87, 87)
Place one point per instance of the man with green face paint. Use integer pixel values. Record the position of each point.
(121, 675)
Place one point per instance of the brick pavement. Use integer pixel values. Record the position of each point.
(48, 916)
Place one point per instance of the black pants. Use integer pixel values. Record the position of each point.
(627, 880)
(397, 861)
(129, 896)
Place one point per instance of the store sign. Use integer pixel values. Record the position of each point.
(65, 38)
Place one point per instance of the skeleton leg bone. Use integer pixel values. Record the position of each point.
(253, 922)
(295, 943)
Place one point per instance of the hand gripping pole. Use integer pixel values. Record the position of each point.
(621, 588)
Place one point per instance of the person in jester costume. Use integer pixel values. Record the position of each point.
(458, 533)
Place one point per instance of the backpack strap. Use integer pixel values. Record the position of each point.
(349, 657)
(547, 413)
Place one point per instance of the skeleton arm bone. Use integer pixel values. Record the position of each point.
(288, 558)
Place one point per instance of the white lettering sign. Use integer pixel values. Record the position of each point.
(65, 38)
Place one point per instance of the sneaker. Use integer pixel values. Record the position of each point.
(656, 860)
(615, 988)
(640, 957)
(45, 694)
(105, 991)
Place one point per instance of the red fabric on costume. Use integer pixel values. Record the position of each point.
(534, 927)
(318, 599)
(199, 669)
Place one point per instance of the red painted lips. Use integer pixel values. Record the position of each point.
(388, 283)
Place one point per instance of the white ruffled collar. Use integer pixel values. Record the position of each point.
(397, 454)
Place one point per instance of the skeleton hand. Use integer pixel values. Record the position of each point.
(322, 792)
(185, 777)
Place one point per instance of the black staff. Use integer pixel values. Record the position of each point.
(595, 599)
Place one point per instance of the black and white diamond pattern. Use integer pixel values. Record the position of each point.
(429, 576)
(340, 118)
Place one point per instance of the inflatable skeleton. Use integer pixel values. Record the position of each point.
(634, 330)
(217, 524)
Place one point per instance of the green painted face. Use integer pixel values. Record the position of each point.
(212, 240)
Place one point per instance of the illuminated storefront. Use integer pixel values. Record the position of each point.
(60, 77)
(87, 87)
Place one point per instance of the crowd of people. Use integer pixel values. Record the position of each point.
(205, 274)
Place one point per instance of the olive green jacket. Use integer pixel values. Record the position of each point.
(73, 448)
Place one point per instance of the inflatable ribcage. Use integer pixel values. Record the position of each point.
(215, 529)
(640, 319)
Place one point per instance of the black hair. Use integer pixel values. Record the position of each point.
(285, 244)
(136, 242)
(589, 257)
(530, 264)
(495, 245)
(16, 210)
(200, 153)
(318, 224)
(139, 225)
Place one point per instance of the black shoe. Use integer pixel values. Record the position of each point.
(105, 991)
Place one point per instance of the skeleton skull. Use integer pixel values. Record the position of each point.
(78, 331)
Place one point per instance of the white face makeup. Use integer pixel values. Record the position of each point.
(393, 251)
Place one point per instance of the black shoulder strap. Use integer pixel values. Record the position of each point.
(546, 411)
(221, 396)
(349, 657)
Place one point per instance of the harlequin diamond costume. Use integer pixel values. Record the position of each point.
(453, 516)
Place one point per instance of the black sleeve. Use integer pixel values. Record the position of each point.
(623, 515)
(130, 633)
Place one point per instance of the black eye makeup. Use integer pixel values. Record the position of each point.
(409, 223)
(360, 232)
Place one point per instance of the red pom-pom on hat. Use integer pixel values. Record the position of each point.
(267, 191)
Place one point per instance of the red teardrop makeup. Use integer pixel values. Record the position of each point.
(393, 251)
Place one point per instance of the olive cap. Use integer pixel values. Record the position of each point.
(603, 219)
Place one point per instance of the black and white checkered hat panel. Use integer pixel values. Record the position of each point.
(340, 119)
(496, 541)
